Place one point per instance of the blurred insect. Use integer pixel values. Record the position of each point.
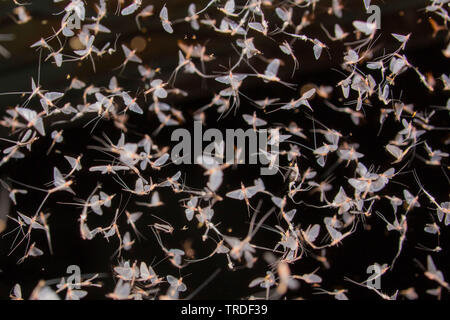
(243, 248)
(130, 56)
(174, 255)
(34, 119)
(33, 251)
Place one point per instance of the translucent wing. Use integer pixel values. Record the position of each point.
(408, 196)
(122, 289)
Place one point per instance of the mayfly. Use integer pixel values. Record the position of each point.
(157, 89)
(214, 171)
(87, 51)
(122, 291)
(164, 17)
(234, 81)
(254, 121)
